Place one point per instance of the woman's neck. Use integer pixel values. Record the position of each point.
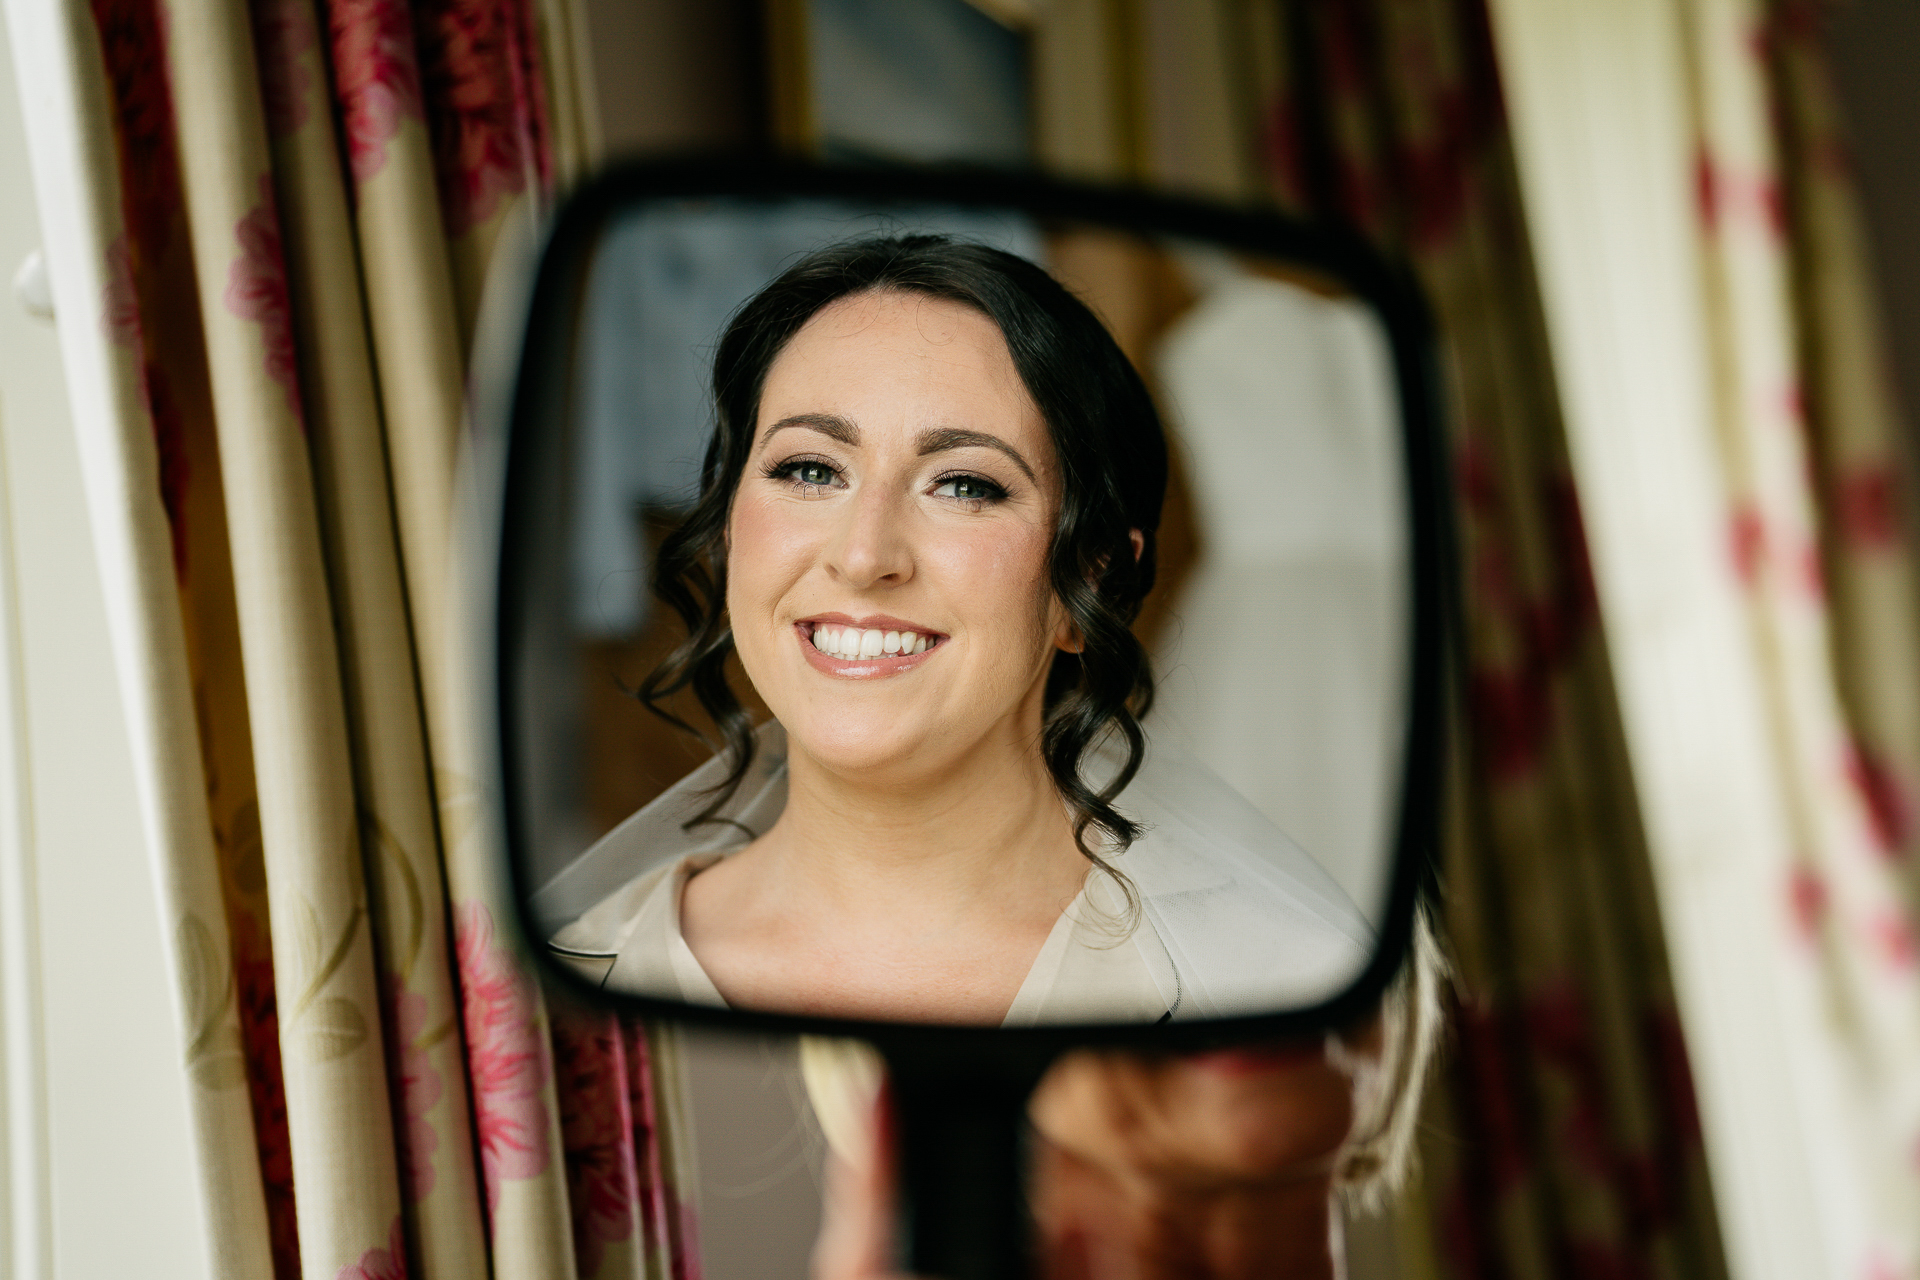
(978, 830)
(926, 892)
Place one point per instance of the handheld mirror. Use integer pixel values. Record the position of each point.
(825, 465)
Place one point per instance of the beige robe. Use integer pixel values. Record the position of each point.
(1085, 972)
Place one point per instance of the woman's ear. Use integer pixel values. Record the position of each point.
(1066, 636)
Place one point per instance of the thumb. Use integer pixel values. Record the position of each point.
(858, 1236)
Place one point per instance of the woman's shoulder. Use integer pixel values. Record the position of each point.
(630, 914)
(1247, 931)
(630, 942)
(1249, 920)
(674, 824)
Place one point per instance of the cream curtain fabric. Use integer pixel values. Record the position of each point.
(1560, 1138)
(1814, 469)
(1565, 1140)
(1743, 465)
(285, 214)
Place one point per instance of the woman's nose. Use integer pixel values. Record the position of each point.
(871, 546)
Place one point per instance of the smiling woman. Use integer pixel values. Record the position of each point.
(927, 518)
(965, 859)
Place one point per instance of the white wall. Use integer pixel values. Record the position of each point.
(114, 1190)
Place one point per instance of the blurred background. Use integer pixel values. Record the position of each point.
(1669, 247)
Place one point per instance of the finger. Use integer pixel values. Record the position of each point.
(1093, 1227)
(1210, 1121)
(857, 1230)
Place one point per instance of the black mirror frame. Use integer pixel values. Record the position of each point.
(538, 394)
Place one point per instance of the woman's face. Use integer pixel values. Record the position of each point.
(887, 548)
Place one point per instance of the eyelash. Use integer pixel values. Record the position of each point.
(789, 469)
(994, 493)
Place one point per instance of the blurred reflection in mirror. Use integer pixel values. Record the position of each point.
(1281, 668)
(935, 502)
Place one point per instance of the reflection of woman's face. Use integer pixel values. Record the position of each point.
(887, 548)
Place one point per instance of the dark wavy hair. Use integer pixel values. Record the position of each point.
(1113, 467)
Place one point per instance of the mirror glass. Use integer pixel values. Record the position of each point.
(891, 529)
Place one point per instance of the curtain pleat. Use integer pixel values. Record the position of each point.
(655, 1214)
(612, 1149)
(410, 305)
(299, 201)
(679, 1172)
(629, 1174)
(486, 100)
(347, 1196)
(1814, 519)
(399, 840)
(128, 439)
(1858, 441)
(1561, 1140)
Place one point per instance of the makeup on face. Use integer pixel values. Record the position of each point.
(894, 521)
(864, 648)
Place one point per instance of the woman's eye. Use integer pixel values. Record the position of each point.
(969, 489)
(811, 475)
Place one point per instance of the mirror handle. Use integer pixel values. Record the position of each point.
(960, 1129)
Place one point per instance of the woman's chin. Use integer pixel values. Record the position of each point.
(853, 750)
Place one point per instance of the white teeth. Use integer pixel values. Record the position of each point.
(853, 644)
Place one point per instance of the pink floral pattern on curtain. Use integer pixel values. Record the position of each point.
(419, 1086)
(489, 106)
(1564, 1140)
(625, 1209)
(597, 1127)
(389, 1263)
(257, 291)
(473, 75)
(375, 77)
(510, 1118)
(283, 33)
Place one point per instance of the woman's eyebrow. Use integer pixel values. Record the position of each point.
(940, 439)
(827, 424)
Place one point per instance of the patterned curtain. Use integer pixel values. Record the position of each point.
(1818, 465)
(1561, 1138)
(288, 210)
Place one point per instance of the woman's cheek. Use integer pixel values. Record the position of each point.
(983, 564)
(1024, 559)
(767, 551)
(978, 573)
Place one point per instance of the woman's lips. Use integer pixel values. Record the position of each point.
(865, 648)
